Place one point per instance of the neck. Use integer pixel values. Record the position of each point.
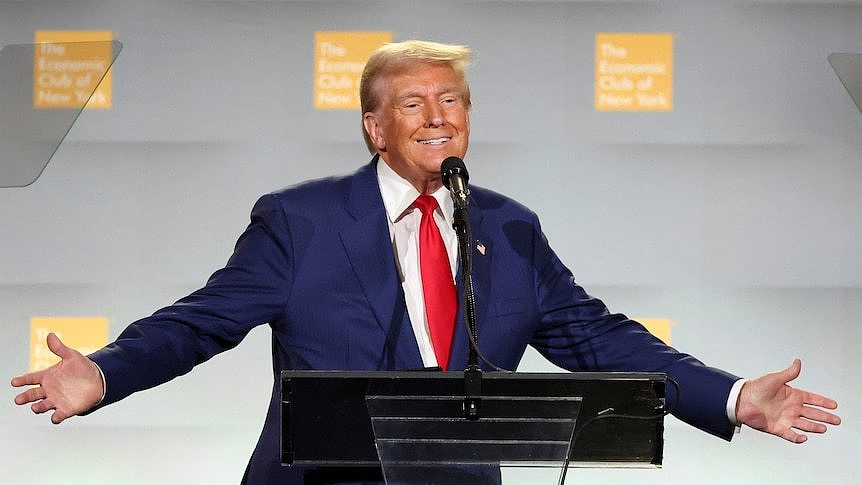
(424, 185)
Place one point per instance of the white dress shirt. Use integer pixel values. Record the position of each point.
(398, 197)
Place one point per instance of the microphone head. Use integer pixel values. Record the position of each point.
(453, 166)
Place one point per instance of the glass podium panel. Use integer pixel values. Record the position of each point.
(43, 89)
(427, 439)
(848, 67)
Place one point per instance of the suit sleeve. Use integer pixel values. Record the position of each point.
(577, 332)
(252, 289)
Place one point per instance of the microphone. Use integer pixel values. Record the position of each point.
(455, 179)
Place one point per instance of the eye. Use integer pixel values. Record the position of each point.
(450, 101)
(410, 107)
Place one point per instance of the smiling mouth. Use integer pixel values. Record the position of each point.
(435, 141)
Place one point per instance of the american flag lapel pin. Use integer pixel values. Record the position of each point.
(480, 247)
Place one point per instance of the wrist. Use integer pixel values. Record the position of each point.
(746, 411)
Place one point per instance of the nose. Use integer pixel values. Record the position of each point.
(434, 115)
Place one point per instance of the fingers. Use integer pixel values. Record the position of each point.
(42, 406)
(785, 431)
(30, 395)
(815, 399)
(809, 426)
(30, 379)
(795, 437)
(819, 415)
(35, 378)
(58, 417)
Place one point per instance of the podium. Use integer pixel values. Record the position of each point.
(414, 424)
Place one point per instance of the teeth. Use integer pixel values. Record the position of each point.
(435, 141)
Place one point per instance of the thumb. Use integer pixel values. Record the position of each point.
(791, 372)
(58, 348)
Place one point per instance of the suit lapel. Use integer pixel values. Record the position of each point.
(367, 243)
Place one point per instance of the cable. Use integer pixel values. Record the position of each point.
(475, 346)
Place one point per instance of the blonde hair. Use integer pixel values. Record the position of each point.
(393, 57)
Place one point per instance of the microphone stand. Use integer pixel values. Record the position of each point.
(473, 374)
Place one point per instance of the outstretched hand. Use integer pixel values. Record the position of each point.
(69, 387)
(768, 404)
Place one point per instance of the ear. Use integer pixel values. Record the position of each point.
(371, 122)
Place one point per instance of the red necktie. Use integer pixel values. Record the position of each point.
(438, 288)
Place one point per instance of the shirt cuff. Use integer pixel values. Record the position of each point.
(104, 384)
(732, 400)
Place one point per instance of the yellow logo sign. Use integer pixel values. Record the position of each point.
(339, 58)
(634, 72)
(67, 67)
(660, 327)
(84, 334)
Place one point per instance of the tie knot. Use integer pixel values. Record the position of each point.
(426, 204)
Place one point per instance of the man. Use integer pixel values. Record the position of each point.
(341, 270)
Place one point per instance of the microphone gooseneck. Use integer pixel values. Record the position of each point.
(455, 178)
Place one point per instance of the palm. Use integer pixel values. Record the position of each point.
(768, 404)
(69, 387)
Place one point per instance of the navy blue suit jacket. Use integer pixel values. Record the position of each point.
(316, 263)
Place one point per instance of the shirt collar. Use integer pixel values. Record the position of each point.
(399, 194)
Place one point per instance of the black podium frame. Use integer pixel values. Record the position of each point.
(325, 419)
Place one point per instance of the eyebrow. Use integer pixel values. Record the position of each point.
(453, 89)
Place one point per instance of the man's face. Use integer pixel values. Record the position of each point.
(421, 120)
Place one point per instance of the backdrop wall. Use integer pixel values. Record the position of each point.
(736, 214)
